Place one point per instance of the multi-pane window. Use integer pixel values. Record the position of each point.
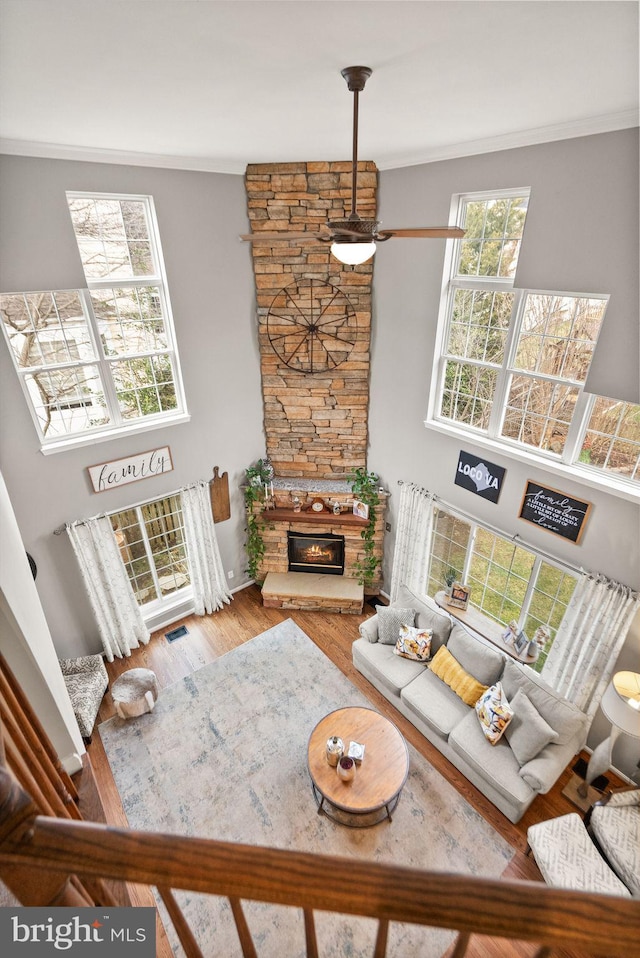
(611, 440)
(513, 363)
(104, 357)
(507, 581)
(151, 542)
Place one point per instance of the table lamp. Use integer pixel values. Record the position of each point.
(621, 706)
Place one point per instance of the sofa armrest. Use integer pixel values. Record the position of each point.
(543, 771)
(369, 629)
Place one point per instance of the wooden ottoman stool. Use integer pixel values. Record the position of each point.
(134, 693)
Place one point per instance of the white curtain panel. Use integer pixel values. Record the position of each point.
(208, 580)
(589, 638)
(117, 613)
(413, 540)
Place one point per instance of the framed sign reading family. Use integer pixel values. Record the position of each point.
(120, 472)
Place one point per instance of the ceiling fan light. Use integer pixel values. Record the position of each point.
(353, 254)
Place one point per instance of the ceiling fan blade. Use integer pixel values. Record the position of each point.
(339, 231)
(282, 237)
(426, 232)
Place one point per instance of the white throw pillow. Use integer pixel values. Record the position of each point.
(413, 643)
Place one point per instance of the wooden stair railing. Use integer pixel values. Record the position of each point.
(52, 850)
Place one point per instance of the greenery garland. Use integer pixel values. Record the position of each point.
(254, 493)
(364, 486)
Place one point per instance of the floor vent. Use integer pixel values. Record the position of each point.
(176, 633)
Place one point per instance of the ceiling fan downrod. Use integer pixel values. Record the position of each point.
(356, 78)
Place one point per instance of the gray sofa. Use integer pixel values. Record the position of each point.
(452, 726)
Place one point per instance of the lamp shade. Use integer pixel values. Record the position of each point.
(621, 702)
(353, 254)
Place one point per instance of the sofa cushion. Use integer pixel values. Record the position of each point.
(564, 717)
(391, 671)
(494, 763)
(390, 619)
(447, 668)
(427, 616)
(527, 732)
(434, 703)
(483, 663)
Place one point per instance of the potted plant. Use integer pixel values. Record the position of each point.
(254, 496)
(449, 578)
(364, 486)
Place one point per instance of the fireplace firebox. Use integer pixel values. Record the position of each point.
(312, 552)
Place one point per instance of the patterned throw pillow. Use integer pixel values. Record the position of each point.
(413, 643)
(390, 620)
(448, 669)
(494, 712)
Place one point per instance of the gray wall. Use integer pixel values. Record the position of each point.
(586, 241)
(581, 235)
(210, 282)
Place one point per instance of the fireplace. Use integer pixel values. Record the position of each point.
(313, 552)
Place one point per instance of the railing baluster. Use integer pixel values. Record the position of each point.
(180, 923)
(462, 943)
(543, 952)
(381, 939)
(310, 934)
(244, 935)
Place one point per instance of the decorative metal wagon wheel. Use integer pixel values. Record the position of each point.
(312, 326)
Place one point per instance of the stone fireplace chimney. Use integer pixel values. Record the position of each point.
(315, 423)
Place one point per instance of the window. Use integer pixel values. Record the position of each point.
(104, 358)
(151, 542)
(513, 362)
(611, 439)
(507, 581)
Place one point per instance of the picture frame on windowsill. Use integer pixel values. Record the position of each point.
(459, 598)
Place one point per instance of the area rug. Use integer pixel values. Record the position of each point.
(223, 755)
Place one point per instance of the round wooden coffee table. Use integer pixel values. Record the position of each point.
(375, 791)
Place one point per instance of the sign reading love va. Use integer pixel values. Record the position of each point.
(479, 476)
(120, 472)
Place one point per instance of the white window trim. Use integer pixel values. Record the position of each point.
(104, 435)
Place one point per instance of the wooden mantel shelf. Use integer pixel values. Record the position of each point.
(313, 518)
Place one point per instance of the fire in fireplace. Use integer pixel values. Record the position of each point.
(309, 552)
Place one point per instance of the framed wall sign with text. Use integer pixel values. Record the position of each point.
(120, 472)
(555, 511)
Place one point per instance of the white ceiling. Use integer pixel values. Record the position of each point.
(217, 84)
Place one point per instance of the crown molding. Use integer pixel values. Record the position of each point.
(590, 126)
(58, 151)
(609, 123)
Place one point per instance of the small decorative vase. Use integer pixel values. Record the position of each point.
(335, 748)
(336, 508)
(346, 768)
(297, 505)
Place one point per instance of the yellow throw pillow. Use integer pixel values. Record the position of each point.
(447, 668)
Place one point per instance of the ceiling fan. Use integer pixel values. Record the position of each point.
(354, 239)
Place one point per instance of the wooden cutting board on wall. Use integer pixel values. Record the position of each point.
(219, 488)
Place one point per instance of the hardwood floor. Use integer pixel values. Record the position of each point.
(211, 636)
